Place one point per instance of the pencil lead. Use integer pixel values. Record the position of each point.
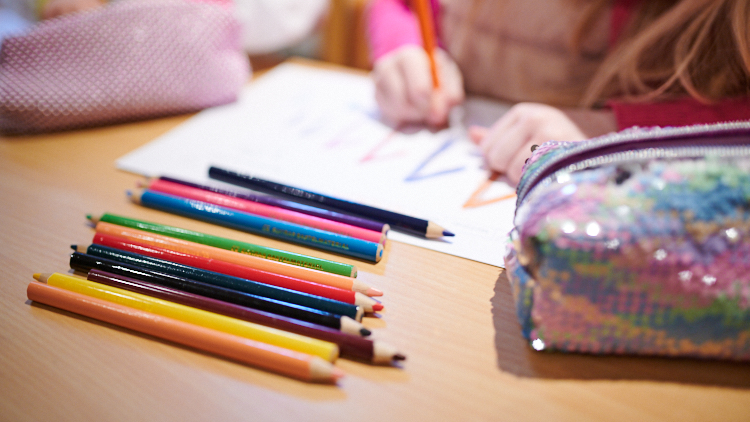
(377, 307)
(74, 247)
(37, 276)
(337, 373)
(399, 356)
(365, 332)
(89, 217)
(373, 292)
(447, 233)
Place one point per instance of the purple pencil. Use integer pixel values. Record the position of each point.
(289, 205)
(349, 345)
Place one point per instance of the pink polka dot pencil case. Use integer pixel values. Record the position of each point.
(125, 61)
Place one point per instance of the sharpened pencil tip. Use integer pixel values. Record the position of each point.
(365, 332)
(74, 247)
(37, 276)
(377, 307)
(447, 233)
(337, 373)
(373, 292)
(89, 216)
(399, 356)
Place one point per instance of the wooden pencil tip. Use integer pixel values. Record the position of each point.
(399, 356)
(447, 233)
(89, 217)
(37, 276)
(365, 332)
(337, 374)
(74, 247)
(373, 292)
(377, 307)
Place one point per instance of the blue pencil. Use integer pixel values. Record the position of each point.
(263, 226)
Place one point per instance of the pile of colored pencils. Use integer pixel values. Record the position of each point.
(284, 312)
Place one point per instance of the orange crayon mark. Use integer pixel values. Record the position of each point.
(476, 200)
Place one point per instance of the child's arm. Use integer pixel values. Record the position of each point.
(401, 70)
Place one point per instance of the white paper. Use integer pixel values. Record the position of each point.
(319, 130)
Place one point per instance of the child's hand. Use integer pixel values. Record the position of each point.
(404, 91)
(507, 144)
(55, 8)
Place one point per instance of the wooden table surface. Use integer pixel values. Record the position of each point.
(452, 317)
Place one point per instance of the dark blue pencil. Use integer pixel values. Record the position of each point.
(84, 263)
(399, 222)
(228, 282)
(290, 232)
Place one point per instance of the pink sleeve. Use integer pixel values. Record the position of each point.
(687, 111)
(390, 24)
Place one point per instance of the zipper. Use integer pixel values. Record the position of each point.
(723, 139)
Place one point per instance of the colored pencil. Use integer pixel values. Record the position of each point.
(323, 349)
(400, 222)
(294, 364)
(291, 258)
(263, 210)
(427, 27)
(238, 220)
(193, 248)
(350, 346)
(368, 304)
(84, 263)
(249, 286)
(293, 206)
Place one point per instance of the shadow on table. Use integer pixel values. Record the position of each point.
(515, 356)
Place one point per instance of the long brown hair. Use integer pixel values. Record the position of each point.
(673, 48)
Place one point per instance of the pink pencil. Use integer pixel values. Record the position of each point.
(264, 210)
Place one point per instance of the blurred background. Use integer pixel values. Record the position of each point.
(337, 37)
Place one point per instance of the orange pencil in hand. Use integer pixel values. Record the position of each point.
(423, 10)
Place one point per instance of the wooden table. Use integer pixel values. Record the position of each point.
(452, 317)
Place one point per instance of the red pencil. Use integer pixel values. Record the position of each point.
(368, 304)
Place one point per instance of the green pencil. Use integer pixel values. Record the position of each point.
(230, 244)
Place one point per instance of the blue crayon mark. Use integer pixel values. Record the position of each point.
(415, 175)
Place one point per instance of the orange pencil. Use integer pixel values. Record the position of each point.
(427, 28)
(204, 251)
(294, 364)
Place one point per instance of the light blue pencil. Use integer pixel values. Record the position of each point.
(263, 226)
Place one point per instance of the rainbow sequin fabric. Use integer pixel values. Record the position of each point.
(641, 257)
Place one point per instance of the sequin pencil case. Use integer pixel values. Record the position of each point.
(636, 243)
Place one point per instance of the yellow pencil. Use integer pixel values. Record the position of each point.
(326, 350)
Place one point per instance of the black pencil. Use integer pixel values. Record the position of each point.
(399, 222)
(84, 263)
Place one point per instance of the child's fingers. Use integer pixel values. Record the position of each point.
(414, 67)
(515, 167)
(503, 146)
(478, 133)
